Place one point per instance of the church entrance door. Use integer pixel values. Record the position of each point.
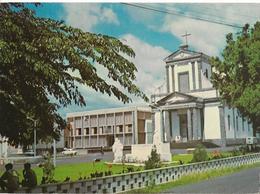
(183, 126)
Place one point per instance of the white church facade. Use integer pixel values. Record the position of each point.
(191, 108)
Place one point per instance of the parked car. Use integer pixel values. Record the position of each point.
(69, 152)
(29, 152)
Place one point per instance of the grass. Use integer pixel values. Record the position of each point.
(186, 158)
(193, 178)
(74, 171)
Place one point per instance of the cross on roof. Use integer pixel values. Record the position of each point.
(186, 37)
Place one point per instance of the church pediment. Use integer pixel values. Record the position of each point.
(176, 97)
(181, 55)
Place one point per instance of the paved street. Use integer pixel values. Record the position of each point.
(84, 156)
(245, 181)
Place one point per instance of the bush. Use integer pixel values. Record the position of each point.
(153, 160)
(67, 179)
(217, 154)
(48, 170)
(243, 149)
(130, 169)
(235, 152)
(199, 154)
(96, 174)
(108, 173)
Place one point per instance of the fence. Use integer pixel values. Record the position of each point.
(136, 180)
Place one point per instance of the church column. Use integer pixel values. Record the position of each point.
(162, 126)
(189, 124)
(167, 126)
(172, 81)
(195, 123)
(167, 79)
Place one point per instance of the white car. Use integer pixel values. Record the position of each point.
(29, 153)
(69, 152)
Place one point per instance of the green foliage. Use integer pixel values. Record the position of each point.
(199, 154)
(43, 59)
(244, 149)
(151, 183)
(71, 172)
(235, 152)
(237, 75)
(130, 169)
(96, 174)
(48, 170)
(185, 158)
(153, 160)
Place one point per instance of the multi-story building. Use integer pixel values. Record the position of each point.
(132, 125)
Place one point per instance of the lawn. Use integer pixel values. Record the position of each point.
(185, 158)
(74, 171)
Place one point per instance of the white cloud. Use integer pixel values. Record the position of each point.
(149, 62)
(209, 37)
(150, 75)
(205, 37)
(86, 15)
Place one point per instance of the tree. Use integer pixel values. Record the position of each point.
(39, 62)
(199, 154)
(237, 75)
(153, 161)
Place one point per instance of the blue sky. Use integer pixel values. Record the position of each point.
(152, 35)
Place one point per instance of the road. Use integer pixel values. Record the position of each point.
(107, 156)
(245, 181)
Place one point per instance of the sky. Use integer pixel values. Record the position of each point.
(152, 35)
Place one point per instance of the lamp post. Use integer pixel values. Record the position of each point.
(34, 136)
(34, 139)
(54, 147)
(54, 152)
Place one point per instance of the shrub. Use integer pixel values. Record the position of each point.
(153, 160)
(199, 154)
(108, 173)
(243, 149)
(96, 174)
(48, 170)
(151, 183)
(235, 152)
(216, 154)
(130, 169)
(67, 179)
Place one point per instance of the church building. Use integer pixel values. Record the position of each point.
(191, 108)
